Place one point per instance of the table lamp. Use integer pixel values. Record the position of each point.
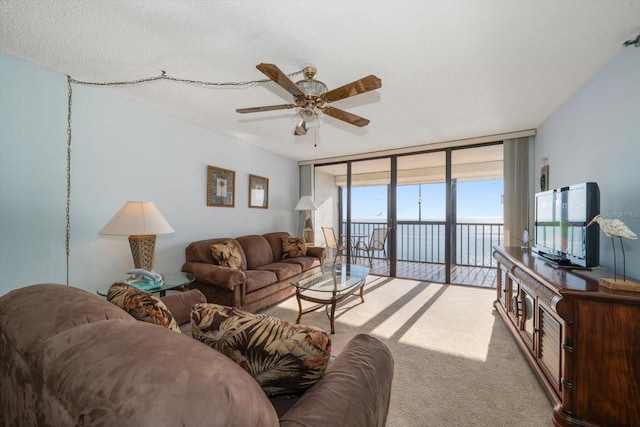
(141, 221)
(305, 206)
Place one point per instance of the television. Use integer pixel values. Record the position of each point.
(561, 233)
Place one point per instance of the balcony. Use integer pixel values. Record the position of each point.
(421, 251)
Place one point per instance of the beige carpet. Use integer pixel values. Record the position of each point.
(456, 363)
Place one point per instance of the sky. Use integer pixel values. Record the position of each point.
(478, 201)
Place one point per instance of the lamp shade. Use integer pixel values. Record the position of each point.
(306, 204)
(137, 218)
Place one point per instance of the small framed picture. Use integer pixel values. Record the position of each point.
(258, 192)
(221, 186)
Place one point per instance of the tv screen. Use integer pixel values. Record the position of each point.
(561, 218)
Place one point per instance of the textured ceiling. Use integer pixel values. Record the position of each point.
(450, 69)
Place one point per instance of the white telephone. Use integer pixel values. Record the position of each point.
(144, 279)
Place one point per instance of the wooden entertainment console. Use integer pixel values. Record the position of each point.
(582, 340)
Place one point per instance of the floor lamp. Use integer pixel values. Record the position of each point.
(141, 221)
(305, 206)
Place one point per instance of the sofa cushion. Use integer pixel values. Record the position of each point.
(305, 262)
(258, 279)
(293, 247)
(200, 251)
(226, 254)
(356, 386)
(142, 305)
(66, 308)
(119, 373)
(256, 250)
(284, 359)
(275, 241)
(179, 305)
(283, 270)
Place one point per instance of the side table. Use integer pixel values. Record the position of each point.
(172, 281)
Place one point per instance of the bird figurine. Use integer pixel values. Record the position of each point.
(525, 237)
(635, 42)
(613, 227)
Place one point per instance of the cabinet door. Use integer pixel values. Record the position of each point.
(514, 304)
(527, 318)
(606, 354)
(503, 278)
(549, 345)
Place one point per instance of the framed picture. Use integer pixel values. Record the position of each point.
(221, 186)
(258, 192)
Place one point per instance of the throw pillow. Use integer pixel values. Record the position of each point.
(142, 305)
(285, 359)
(293, 247)
(226, 254)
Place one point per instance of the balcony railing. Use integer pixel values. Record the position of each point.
(423, 241)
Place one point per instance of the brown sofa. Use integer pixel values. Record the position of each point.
(69, 357)
(262, 280)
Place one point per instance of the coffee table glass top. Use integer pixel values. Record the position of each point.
(170, 281)
(331, 278)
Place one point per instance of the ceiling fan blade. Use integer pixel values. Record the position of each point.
(344, 116)
(266, 108)
(301, 128)
(274, 73)
(365, 84)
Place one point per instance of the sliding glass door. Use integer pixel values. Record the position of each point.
(368, 212)
(430, 216)
(353, 200)
(476, 186)
(421, 213)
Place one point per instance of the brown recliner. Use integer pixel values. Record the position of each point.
(69, 357)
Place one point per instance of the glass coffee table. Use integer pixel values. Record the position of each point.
(328, 286)
(170, 281)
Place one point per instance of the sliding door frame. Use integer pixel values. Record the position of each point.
(392, 219)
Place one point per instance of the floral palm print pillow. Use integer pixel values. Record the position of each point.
(142, 305)
(284, 358)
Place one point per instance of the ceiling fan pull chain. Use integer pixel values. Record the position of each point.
(163, 76)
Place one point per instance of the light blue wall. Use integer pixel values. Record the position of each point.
(595, 136)
(120, 151)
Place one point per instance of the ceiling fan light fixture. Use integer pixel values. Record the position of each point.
(312, 87)
(304, 119)
(314, 123)
(310, 116)
(301, 128)
(307, 114)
